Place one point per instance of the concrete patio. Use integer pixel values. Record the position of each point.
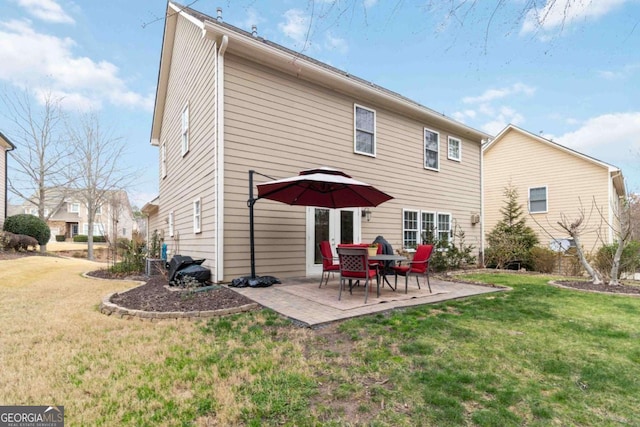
(301, 300)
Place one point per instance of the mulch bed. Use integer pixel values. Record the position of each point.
(590, 286)
(153, 296)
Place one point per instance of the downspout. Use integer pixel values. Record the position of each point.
(219, 276)
(6, 179)
(482, 144)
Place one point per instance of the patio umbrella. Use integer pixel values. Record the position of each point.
(322, 187)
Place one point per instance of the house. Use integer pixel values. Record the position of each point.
(68, 214)
(229, 101)
(5, 147)
(552, 181)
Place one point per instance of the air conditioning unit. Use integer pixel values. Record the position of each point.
(475, 218)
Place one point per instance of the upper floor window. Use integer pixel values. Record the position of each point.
(197, 215)
(74, 207)
(185, 130)
(431, 149)
(163, 159)
(455, 149)
(98, 210)
(365, 131)
(538, 200)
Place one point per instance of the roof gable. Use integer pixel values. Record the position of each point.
(615, 174)
(4, 142)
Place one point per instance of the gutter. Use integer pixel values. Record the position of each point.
(219, 190)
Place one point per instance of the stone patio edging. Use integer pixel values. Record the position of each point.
(111, 309)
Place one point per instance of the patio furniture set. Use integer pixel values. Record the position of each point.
(355, 264)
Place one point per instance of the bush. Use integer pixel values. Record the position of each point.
(132, 257)
(60, 237)
(543, 260)
(629, 262)
(28, 225)
(83, 238)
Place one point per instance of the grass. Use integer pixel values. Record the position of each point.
(536, 356)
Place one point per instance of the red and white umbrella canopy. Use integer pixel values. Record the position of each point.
(323, 187)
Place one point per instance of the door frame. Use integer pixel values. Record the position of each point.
(313, 269)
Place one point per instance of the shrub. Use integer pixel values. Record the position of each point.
(543, 260)
(28, 225)
(447, 255)
(629, 262)
(132, 257)
(60, 237)
(83, 238)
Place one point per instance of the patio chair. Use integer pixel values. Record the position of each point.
(419, 266)
(328, 264)
(354, 265)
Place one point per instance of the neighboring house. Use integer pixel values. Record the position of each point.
(68, 215)
(229, 101)
(5, 147)
(552, 181)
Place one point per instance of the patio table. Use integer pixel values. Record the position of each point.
(383, 257)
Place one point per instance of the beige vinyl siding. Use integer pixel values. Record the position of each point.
(571, 182)
(192, 80)
(279, 125)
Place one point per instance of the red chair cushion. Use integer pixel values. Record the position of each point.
(359, 275)
(334, 267)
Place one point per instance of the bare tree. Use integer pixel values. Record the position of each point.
(622, 231)
(41, 155)
(575, 229)
(97, 166)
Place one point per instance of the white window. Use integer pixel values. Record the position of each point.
(455, 149)
(74, 207)
(98, 229)
(98, 210)
(432, 225)
(431, 149)
(410, 228)
(185, 130)
(197, 216)
(365, 131)
(163, 160)
(124, 231)
(538, 199)
(171, 224)
(444, 227)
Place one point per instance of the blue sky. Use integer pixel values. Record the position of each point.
(574, 78)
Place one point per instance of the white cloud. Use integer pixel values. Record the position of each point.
(558, 14)
(46, 10)
(609, 137)
(296, 27)
(369, 3)
(336, 44)
(624, 72)
(253, 18)
(30, 58)
(493, 94)
(507, 115)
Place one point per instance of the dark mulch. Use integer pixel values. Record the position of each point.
(590, 286)
(153, 296)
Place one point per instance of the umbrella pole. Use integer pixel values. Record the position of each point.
(251, 202)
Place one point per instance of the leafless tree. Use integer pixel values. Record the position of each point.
(97, 166)
(41, 155)
(621, 228)
(575, 230)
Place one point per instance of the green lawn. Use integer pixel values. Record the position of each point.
(536, 355)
